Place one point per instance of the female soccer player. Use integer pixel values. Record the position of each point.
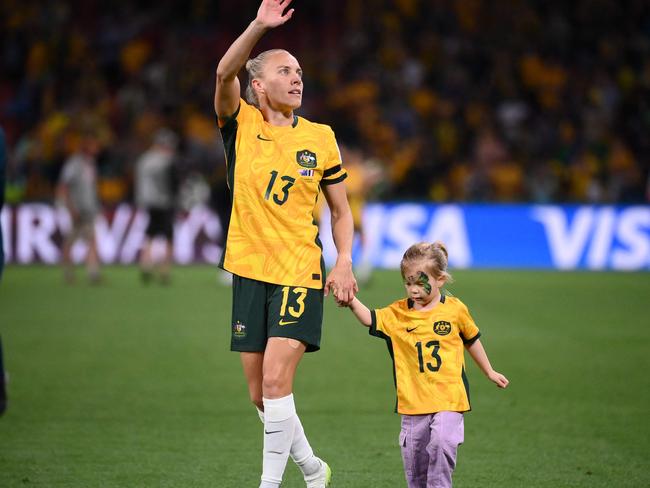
(277, 164)
(427, 333)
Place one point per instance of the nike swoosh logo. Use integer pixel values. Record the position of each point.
(283, 322)
(271, 432)
(259, 136)
(410, 330)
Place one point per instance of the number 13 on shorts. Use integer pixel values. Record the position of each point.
(298, 295)
(298, 315)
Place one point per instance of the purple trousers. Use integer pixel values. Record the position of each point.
(429, 444)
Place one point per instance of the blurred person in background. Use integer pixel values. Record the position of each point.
(156, 190)
(3, 161)
(77, 193)
(420, 91)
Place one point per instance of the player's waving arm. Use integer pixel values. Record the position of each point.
(227, 91)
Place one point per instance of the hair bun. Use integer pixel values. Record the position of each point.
(440, 245)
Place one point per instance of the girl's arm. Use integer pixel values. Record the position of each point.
(361, 312)
(227, 90)
(479, 356)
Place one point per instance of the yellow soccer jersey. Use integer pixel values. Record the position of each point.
(427, 348)
(274, 175)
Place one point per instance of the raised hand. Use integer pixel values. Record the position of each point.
(270, 14)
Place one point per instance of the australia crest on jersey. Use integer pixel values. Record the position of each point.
(306, 159)
(442, 327)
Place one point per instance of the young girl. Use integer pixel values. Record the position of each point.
(426, 334)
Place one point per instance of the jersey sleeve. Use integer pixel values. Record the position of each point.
(381, 322)
(228, 128)
(334, 171)
(243, 113)
(468, 330)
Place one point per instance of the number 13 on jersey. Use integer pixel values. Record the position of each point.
(289, 182)
(435, 347)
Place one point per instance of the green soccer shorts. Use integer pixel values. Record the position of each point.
(261, 310)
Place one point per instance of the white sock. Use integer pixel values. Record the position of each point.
(301, 452)
(279, 426)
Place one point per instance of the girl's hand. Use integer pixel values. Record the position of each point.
(269, 15)
(500, 380)
(342, 304)
(342, 284)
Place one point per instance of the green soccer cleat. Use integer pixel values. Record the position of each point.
(321, 478)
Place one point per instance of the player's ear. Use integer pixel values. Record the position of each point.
(258, 86)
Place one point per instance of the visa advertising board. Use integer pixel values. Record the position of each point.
(563, 237)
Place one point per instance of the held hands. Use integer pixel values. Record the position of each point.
(498, 379)
(269, 15)
(342, 284)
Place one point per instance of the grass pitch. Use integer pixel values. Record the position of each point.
(129, 386)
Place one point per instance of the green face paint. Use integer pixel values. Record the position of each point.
(423, 281)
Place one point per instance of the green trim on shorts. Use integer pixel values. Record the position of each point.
(261, 310)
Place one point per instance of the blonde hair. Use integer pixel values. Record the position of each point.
(254, 68)
(433, 255)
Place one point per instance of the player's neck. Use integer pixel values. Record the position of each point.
(280, 118)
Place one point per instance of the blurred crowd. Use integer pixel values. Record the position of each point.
(455, 100)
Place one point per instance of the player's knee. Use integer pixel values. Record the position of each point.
(273, 383)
